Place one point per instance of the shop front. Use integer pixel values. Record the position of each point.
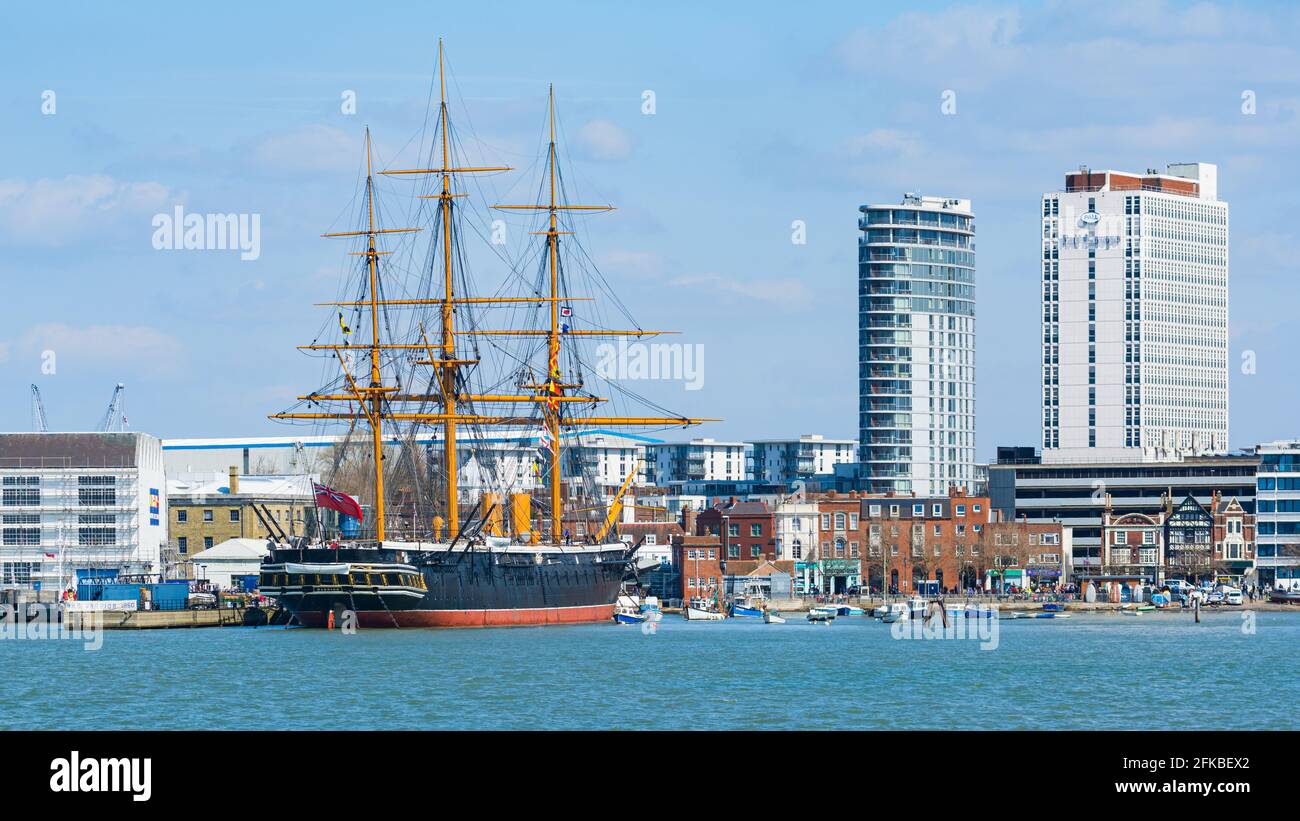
(839, 575)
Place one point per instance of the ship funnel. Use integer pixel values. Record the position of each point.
(521, 514)
(492, 509)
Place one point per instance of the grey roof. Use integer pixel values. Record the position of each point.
(67, 450)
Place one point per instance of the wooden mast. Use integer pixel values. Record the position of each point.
(370, 398)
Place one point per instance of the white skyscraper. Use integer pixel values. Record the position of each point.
(916, 345)
(1135, 315)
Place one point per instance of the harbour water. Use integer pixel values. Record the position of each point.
(1090, 672)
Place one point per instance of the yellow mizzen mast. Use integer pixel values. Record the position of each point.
(554, 386)
(551, 396)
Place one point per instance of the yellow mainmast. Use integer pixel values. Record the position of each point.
(448, 365)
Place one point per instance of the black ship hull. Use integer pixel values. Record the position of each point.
(444, 587)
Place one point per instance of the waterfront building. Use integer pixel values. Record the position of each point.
(1235, 548)
(1017, 553)
(916, 360)
(763, 578)
(1278, 511)
(1022, 486)
(1133, 553)
(782, 461)
(80, 505)
(745, 529)
(1135, 316)
(234, 563)
(795, 522)
(699, 561)
(699, 460)
(911, 539)
(839, 543)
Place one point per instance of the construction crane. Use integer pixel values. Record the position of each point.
(114, 420)
(39, 423)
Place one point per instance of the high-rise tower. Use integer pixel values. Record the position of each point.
(1135, 315)
(916, 346)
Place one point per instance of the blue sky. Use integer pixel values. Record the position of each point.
(763, 116)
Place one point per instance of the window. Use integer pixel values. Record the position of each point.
(853, 550)
(182, 545)
(207, 542)
(938, 531)
(234, 514)
(961, 510)
(796, 550)
(918, 510)
(756, 530)
(1118, 537)
(207, 515)
(873, 511)
(937, 510)
(96, 491)
(755, 551)
(182, 515)
(826, 521)
(853, 521)
(975, 508)
(22, 491)
(650, 538)
(713, 553)
(733, 551)
(839, 521)
(1148, 537)
(18, 572)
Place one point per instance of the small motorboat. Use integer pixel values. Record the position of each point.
(1012, 615)
(700, 614)
(626, 617)
(741, 608)
(821, 615)
(892, 612)
(771, 618)
(849, 610)
(1053, 607)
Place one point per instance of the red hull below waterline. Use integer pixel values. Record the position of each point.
(466, 618)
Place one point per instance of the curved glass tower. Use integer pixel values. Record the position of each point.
(916, 346)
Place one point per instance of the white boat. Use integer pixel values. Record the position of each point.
(771, 618)
(698, 614)
(822, 615)
(892, 612)
(1012, 615)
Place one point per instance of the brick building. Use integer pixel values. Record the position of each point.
(1234, 540)
(745, 530)
(911, 539)
(1019, 553)
(699, 561)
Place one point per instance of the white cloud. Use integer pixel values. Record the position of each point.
(640, 264)
(312, 148)
(138, 348)
(784, 292)
(603, 140)
(50, 212)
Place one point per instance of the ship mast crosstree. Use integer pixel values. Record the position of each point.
(376, 401)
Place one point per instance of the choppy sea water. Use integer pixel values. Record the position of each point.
(1091, 672)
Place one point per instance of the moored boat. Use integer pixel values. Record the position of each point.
(771, 618)
(700, 614)
(821, 615)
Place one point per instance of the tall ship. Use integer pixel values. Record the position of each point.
(425, 372)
